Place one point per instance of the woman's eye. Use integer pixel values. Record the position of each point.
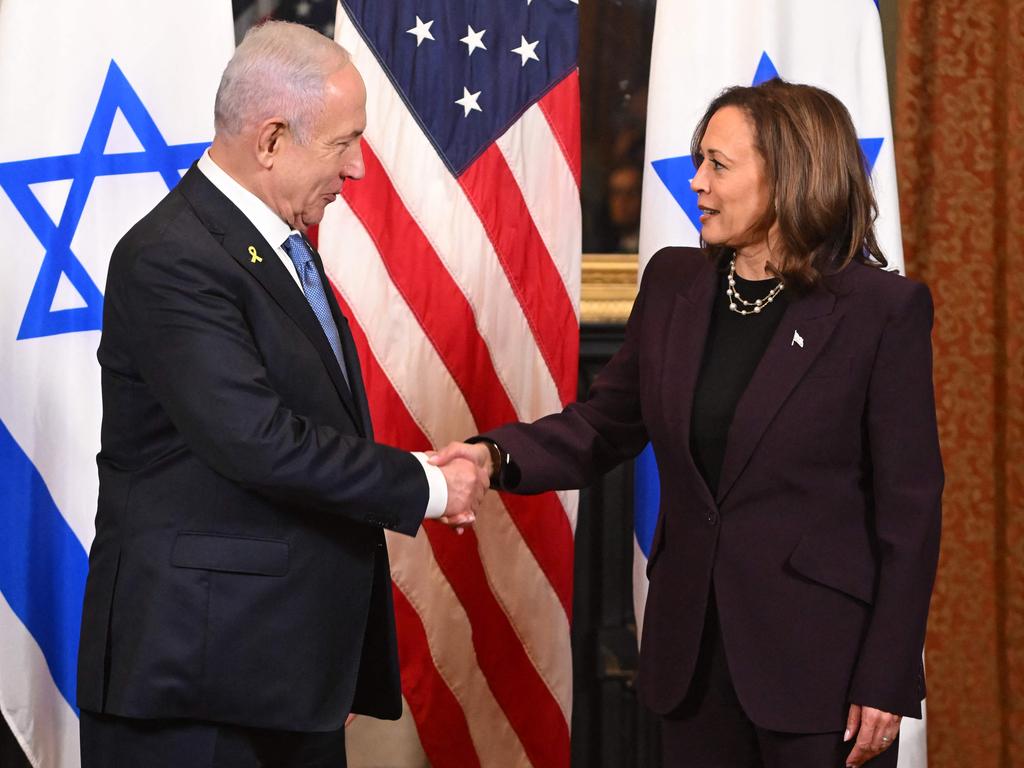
(717, 165)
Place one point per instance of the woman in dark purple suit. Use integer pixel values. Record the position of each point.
(784, 379)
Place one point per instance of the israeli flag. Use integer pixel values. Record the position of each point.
(700, 49)
(102, 106)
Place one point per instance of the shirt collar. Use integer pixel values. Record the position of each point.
(271, 226)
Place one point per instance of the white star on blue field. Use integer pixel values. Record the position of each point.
(82, 170)
(675, 172)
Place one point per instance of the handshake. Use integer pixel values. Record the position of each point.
(467, 469)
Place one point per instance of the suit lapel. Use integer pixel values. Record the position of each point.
(243, 242)
(348, 351)
(684, 349)
(355, 375)
(783, 364)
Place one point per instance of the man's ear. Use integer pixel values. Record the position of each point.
(269, 137)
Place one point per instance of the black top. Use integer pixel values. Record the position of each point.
(732, 351)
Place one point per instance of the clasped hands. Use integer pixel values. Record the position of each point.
(467, 470)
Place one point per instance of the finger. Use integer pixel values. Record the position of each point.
(444, 455)
(870, 730)
(349, 719)
(852, 722)
(882, 727)
(888, 732)
(459, 521)
(454, 451)
(461, 526)
(862, 749)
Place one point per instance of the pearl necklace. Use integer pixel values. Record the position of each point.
(734, 295)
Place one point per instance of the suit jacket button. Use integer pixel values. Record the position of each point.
(712, 517)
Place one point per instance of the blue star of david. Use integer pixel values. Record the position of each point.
(83, 169)
(675, 172)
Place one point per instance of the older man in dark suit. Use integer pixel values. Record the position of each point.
(238, 605)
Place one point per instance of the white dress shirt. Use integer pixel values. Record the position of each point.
(275, 231)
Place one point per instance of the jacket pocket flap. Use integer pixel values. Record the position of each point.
(828, 562)
(233, 554)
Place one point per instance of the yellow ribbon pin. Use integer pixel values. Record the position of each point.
(255, 256)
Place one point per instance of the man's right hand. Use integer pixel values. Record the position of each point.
(467, 484)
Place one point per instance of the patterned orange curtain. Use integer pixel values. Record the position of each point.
(959, 123)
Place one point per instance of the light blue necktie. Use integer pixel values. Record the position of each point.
(302, 257)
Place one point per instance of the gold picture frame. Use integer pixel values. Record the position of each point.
(608, 287)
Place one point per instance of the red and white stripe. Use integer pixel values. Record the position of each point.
(463, 297)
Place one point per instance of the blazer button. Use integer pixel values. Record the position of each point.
(712, 517)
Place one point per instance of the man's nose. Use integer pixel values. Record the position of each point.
(354, 168)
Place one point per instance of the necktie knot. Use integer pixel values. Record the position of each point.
(297, 250)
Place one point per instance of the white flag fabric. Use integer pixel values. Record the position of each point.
(102, 106)
(836, 46)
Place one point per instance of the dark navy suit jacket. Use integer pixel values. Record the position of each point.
(239, 572)
(822, 542)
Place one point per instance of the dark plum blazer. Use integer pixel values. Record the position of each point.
(239, 572)
(822, 542)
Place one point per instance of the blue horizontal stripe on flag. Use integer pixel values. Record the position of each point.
(42, 564)
(646, 498)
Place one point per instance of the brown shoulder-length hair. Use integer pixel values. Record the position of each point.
(820, 194)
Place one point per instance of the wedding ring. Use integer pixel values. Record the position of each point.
(886, 738)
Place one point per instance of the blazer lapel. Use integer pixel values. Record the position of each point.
(684, 349)
(244, 243)
(784, 363)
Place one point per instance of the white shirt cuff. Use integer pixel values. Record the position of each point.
(437, 485)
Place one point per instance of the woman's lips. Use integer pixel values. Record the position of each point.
(706, 213)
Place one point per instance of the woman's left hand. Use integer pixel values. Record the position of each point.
(874, 730)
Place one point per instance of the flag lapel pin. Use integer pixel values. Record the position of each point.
(798, 340)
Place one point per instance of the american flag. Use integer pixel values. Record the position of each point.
(457, 261)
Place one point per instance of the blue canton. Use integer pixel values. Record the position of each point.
(468, 70)
(83, 169)
(675, 172)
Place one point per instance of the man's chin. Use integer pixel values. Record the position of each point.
(311, 219)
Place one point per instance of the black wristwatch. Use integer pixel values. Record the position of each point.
(499, 459)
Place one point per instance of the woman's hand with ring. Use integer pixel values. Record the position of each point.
(874, 730)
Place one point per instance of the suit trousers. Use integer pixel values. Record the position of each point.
(709, 729)
(108, 741)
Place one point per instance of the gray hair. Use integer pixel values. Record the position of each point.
(279, 69)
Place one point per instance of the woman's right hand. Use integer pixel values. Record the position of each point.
(478, 453)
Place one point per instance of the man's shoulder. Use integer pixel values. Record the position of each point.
(172, 224)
